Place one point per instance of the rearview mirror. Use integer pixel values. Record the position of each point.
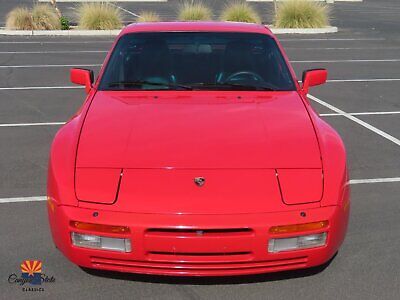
(82, 77)
(313, 77)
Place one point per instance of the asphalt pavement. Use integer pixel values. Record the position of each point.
(361, 101)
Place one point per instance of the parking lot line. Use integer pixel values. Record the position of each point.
(364, 80)
(375, 180)
(53, 52)
(22, 199)
(40, 88)
(346, 60)
(126, 10)
(363, 113)
(50, 66)
(334, 39)
(356, 120)
(344, 48)
(32, 124)
(58, 42)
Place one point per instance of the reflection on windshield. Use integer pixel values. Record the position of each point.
(196, 61)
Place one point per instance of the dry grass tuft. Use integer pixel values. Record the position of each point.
(99, 16)
(194, 11)
(44, 17)
(149, 16)
(19, 18)
(301, 14)
(239, 11)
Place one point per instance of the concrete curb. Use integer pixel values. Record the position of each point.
(73, 32)
(77, 32)
(329, 29)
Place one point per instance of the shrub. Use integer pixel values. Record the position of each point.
(19, 18)
(99, 16)
(240, 12)
(301, 14)
(194, 11)
(148, 16)
(44, 17)
(65, 24)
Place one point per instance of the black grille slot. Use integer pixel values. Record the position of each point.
(199, 231)
(199, 254)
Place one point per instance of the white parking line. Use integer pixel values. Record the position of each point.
(334, 39)
(364, 80)
(66, 1)
(22, 199)
(375, 180)
(32, 124)
(125, 10)
(346, 60)
(40, 88)
(363, 113)
(356, 120)
(343, 48)
(51, 66)
(56, 42)
(53, 52)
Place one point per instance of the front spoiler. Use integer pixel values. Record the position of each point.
(171, 244)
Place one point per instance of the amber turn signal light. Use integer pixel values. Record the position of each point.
(51, 204)
(99, 227)
(299, 227)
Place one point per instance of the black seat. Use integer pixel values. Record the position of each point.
(154, 62)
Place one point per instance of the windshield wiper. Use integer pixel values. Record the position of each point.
(236, 85)
(145, 82)
(245, 86)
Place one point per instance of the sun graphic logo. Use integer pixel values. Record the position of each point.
(32, 271)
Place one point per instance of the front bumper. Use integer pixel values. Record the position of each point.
(198, 245)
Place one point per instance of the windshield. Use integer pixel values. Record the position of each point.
(196, 61)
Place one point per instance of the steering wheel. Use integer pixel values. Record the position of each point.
(244, 74)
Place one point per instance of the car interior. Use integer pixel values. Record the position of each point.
(197, 60)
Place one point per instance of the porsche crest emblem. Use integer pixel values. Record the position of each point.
(199, 181)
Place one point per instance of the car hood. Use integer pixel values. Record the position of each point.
(197, 130)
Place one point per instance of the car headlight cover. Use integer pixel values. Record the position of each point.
(101, 242)
(296, 243)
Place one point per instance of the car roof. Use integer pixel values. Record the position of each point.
(196, 26)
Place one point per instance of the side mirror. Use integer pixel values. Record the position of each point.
(313, 77)
(82, 77)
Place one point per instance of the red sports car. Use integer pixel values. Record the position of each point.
(197, 153)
